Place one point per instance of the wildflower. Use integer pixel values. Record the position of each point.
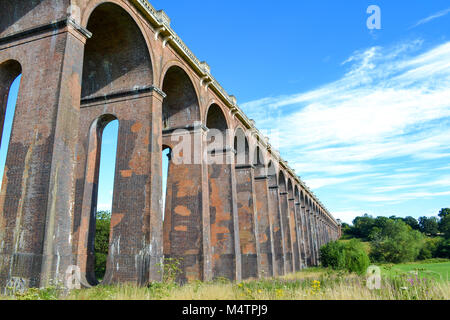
(279, 292)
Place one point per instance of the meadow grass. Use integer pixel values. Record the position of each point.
(309, 284)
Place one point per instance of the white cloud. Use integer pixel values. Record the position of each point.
(431, 17)
(389, 112)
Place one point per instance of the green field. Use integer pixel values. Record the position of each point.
(438, 269)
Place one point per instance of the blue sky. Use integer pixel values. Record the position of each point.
(363, 116)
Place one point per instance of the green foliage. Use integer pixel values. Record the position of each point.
(429, 226)
(412, 222)
(170, 269)
(429, 248)
(350, 256)
(362, 226)
(444, 226)
(102, 229)
(395, 243)
(444, 212)
(52, 292)
(443, 249)
(331, 255)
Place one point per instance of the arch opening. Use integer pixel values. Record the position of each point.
(107, 167)
(10, 78)
(98, 193)
(242, 156)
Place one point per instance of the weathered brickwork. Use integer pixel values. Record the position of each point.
(238, 211)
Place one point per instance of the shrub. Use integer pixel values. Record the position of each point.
(349, 256)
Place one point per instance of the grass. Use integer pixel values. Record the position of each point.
(309, 284)
(437, 269)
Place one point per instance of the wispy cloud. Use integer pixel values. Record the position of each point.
(431, 17)
(387, 117)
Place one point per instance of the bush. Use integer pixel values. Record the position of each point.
(349, 256)
(395, 243)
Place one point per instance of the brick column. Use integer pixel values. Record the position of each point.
(294, 239)
(300, 235)
(225, 246)
(186, 226)
(37, 197)
(248, 225)
(286, 232)
(275, 213)
(306, 237)
(265, 229)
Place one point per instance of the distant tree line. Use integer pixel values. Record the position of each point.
(397, 239)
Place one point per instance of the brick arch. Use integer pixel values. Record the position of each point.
(282, 181)
(241, 146)
(272, 173)
(290, 188)
(297, 193)
(131, 10)
(176, 63)
(216, 119)
(181, 106)
(117, 58)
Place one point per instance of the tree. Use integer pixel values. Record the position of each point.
(444, 226)
(362, 226)
(102, 227)
(395, 243)
(444, 212)
(412, 222)
(443, 250)
(429, 226)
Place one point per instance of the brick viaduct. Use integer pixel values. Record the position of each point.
(85, 63)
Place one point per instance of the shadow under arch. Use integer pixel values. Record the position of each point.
(181, 106)
(117, 58)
